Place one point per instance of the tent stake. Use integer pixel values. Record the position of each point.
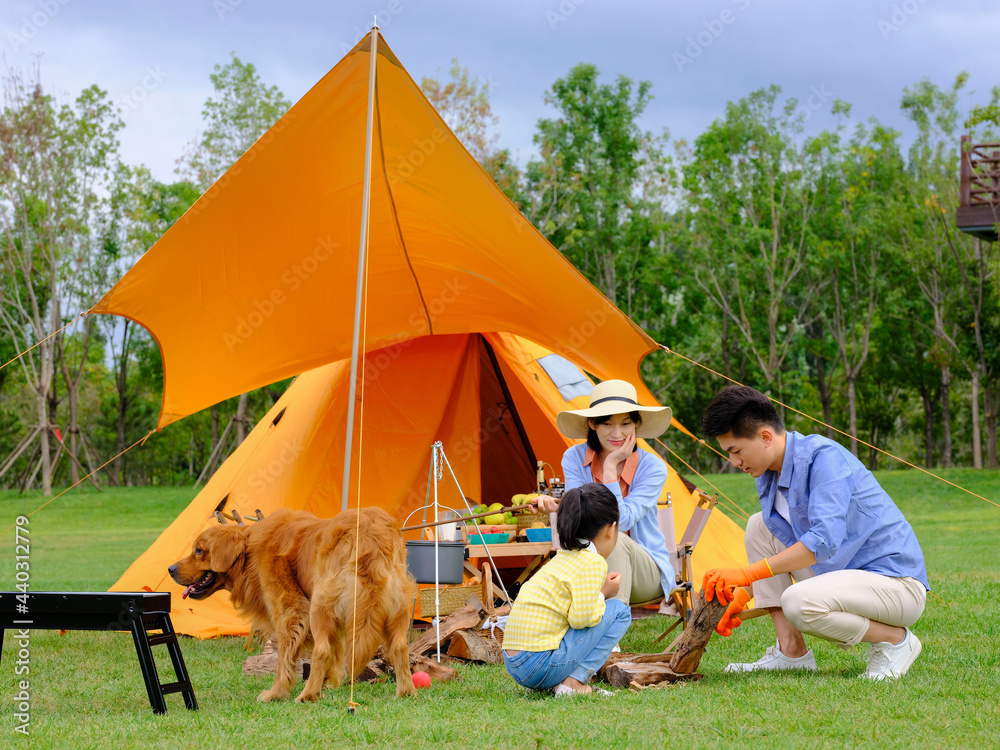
(359, 291)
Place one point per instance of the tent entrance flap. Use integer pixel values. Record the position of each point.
(507, 460)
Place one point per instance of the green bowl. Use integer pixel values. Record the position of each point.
(500, 538)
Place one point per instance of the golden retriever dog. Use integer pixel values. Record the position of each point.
(293, 575)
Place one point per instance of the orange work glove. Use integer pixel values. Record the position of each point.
(721, 581)
(730, 620)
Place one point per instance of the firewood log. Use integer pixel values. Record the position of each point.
(627, 673)
(690, 645)
(471, 646)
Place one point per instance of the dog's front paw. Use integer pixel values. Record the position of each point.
(405, 689)
(307, 697)
(271, 695)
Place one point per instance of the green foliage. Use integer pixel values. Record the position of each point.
(464, 103)
(822, 267)
(611, 175)
(751, 197)
(240, 111)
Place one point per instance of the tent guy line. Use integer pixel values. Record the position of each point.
(140, 441)
(820, 421)
(732, 507)
(54, 333)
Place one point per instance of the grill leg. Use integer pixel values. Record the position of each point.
(174, 649)
(146, 661)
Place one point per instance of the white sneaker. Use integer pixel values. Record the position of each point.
(617, 649)
(889, 662)
(773, 659)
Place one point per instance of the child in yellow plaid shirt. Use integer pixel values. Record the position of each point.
(564, 623)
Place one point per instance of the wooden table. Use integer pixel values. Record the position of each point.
(538, 551)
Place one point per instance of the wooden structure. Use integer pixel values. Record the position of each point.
(979, 192)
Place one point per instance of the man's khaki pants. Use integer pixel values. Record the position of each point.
(836, 606)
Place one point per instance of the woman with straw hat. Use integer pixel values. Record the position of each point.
(611, 457)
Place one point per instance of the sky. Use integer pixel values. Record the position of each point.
(154, 57)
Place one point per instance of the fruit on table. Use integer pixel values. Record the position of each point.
(476, 511)
(496, 518)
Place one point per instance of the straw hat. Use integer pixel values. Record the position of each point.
(614, 397)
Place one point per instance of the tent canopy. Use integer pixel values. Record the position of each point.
(255, 283)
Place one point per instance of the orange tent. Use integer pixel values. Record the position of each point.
(492, 401)
(256, 283)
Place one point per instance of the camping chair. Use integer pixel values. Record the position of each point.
(678, 601)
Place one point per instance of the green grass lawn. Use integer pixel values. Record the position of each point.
(87, 691)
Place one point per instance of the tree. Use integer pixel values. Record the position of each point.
(858, 248)
(600, 181)
(751, 199)
(240, 111)
(464, 103)
(957, 272)
(55, 159)
(141, 209)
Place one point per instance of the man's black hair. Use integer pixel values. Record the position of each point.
(741, 410)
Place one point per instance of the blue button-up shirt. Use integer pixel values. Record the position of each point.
(839, 511)
(637, 511)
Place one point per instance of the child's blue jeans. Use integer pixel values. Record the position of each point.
(581, 653)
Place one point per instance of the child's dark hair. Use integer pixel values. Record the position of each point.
(740, 410)
(595, 444)
(583, 511)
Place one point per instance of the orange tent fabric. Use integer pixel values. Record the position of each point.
(428, 389)
(255, 283)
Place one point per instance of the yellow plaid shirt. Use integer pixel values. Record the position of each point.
(564, 594)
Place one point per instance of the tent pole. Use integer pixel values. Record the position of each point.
(359, 291)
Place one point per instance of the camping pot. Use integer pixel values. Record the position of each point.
(420, 561)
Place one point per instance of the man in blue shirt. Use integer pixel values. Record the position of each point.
(831, 555)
